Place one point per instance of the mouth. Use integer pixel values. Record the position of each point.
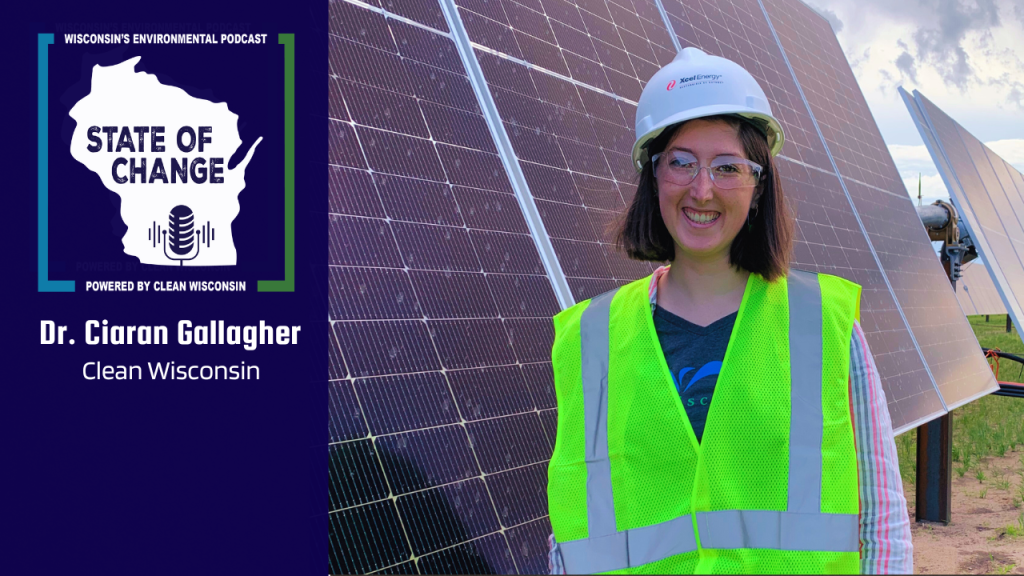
(701, 218)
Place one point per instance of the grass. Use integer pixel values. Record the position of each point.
(990, 426)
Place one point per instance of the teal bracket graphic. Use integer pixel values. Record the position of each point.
(42, 162)
(288, 284)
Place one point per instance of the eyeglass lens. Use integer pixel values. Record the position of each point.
(725, 171)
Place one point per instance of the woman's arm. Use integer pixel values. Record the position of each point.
(554, 557)
(884, 523)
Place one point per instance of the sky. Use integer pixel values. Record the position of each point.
(966, 56)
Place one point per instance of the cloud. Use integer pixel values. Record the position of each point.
(912, 159)
(857, 61)
(906, 65)
(942, 45)
(1016, 96)
(831, 16)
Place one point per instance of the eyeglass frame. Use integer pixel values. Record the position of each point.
(756, 168)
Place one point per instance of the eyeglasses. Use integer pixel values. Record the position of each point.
(726, 172)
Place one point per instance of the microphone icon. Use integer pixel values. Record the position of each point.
(182, 241)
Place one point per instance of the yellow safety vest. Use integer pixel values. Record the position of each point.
(772, 487)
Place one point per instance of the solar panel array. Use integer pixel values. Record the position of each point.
(976, 292)
(449, 127)
(987, 191)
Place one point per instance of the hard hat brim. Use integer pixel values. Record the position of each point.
(775, 135)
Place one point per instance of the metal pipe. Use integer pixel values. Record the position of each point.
(932, 216)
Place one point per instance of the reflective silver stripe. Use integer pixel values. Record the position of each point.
(802, 527)
(653, 543)
(805, 415)
(731, 529)
(607, 549)
(594, 555)
(594, 365)
(629, 548)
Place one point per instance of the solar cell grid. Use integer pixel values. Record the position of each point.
(521, 495)
(976, 292)
(424, 232)
(529, 546)
(999, 187)
(488, 554)
(447, 516)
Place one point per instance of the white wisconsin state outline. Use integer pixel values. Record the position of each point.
(120, 97)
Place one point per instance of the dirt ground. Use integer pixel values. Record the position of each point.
(984, 536)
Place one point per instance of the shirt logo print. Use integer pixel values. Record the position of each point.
(709, 369)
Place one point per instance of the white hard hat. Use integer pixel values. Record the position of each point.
(694, 85)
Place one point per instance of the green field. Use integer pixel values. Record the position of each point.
(989, 426)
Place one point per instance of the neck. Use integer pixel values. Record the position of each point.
(703, 290)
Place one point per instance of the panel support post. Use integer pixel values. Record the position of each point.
(934, 470)
(935, 439)
(1009, 324)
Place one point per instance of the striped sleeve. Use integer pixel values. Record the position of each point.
(886, 547)
(555, 565)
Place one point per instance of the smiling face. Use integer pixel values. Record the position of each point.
(702, 218)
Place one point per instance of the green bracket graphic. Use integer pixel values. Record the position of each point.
(43, 166)
(288, 284)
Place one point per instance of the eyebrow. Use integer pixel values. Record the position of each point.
(687, 150)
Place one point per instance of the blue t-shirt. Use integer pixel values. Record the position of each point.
(694, 355)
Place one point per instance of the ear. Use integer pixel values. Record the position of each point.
(756, 198)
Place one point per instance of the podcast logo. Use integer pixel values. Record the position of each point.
(165, 153)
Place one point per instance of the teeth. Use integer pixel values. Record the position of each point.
(702, 217)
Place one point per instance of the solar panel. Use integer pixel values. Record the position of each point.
(987, 192)
(441, 311)
(869, 175)
(976, 292)
(479, 153)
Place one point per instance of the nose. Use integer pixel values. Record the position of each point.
(700, 188)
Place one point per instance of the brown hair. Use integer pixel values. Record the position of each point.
(762, 248)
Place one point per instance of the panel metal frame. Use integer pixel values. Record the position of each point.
(508, 158)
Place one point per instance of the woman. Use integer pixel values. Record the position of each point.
(792, 467)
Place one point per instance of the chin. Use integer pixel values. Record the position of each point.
(700, 248)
